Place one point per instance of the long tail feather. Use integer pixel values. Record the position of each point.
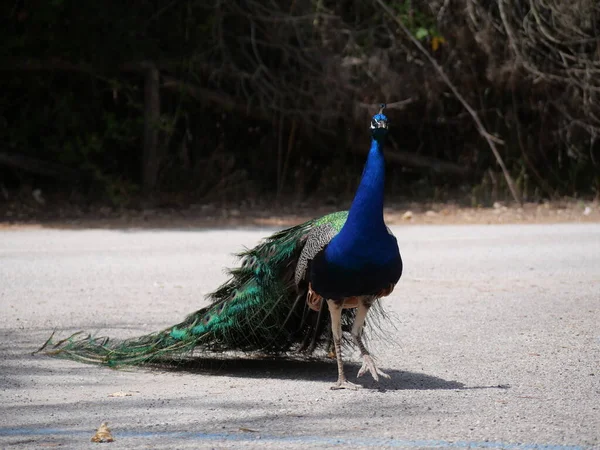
(258, 309)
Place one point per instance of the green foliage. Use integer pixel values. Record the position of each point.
(421, 24)
(267, 100)
(67, 124)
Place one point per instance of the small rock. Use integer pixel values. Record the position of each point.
(497, 205)
(37, 196)
(587, 211)
(408, 215)
(430, 213)
(202, 207)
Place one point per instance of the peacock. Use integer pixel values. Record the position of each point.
(297, 290)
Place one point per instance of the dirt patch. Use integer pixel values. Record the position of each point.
(212, 216)
(557, 212)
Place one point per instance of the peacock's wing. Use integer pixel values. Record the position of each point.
(316, 241)
(260, 307)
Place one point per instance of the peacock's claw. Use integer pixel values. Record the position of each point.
(369, 365)
(345, 384)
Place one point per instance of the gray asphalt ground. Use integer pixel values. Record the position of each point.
(496, 344)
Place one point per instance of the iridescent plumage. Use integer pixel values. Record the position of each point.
(277, 299)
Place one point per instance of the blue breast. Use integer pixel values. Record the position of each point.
(363, 258)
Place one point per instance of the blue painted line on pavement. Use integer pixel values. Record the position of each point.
(321, 440)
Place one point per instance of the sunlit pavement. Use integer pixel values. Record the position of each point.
(495, 343)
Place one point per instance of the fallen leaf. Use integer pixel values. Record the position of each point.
(120, 394)
(248, 430)
(103, 434)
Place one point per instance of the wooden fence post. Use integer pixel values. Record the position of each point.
(150, 155)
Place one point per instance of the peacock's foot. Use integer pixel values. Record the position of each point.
(369, 365)
(345, 384)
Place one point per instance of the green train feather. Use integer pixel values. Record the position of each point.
(260, 308)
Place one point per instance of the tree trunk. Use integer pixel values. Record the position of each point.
(151, 155)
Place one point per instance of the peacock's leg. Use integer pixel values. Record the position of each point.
(357, 330)
(315, 334)
(335, 310)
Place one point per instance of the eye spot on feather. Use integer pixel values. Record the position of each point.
(251, 262)
(206, 319)
(217, 310)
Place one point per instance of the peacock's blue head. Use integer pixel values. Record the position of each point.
(379, 124)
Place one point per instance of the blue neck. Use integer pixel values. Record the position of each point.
(366, 212)
(364, 238)
(363, 258)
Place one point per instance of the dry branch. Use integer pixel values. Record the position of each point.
(38, 166)
(400, 105)
(469, 108)
(415, 160)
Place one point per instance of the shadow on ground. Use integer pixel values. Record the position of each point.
(258, 367)
(310, 370)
